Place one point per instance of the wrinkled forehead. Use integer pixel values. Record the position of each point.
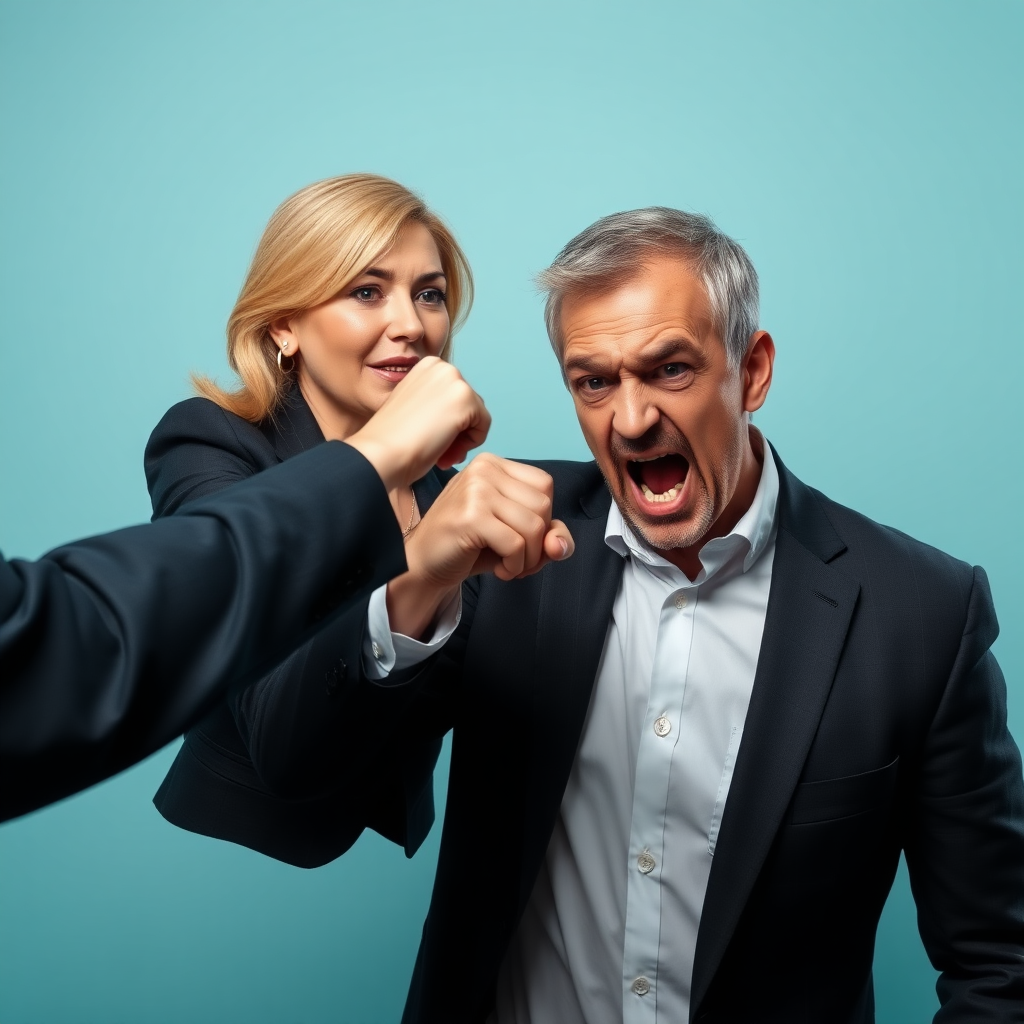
(662, 300)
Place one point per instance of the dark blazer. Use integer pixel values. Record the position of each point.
(225, 780)
(877, 722)
(111, 646)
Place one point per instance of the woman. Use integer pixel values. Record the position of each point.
(340, 332)
(353, 284)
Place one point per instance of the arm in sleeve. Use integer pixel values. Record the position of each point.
(385, 652)
(111, 646)
(318, 724)
(303, 723)
(965, 838)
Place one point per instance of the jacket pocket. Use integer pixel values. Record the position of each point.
(845, 797)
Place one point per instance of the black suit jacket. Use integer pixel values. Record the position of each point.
(109, 647)
(225, 781)
(877, 722)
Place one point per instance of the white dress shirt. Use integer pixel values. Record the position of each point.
(611, 926)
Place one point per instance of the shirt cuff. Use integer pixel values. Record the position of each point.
(385, 652)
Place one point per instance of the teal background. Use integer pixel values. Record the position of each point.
(868, 156)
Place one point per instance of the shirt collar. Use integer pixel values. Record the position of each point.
(750, 535)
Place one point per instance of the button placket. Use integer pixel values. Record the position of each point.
(655, 755)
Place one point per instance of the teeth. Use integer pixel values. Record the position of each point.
(668, 495)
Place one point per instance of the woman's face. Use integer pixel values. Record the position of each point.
(355, 348)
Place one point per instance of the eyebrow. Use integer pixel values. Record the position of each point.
(387, 275)
(672, 347)
(585, 363)
(662, 352)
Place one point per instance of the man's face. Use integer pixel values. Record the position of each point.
(660, 407)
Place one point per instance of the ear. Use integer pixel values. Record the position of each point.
(756, 370)
(286, 337)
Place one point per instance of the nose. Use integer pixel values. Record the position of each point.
(634, 412)
(404, 323)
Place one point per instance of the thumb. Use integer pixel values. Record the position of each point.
(558, 542)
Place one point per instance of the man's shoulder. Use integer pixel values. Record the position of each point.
(889, 554)
(578, 486)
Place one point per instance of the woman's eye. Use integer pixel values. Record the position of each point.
(433, 297)
(367, 294)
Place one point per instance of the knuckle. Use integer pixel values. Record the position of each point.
(540, 528)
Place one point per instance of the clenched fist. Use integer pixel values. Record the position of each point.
(432, 417)
(495, 516)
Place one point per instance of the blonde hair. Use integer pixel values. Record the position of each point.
(316, 242)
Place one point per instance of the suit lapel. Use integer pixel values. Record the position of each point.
(810, 606)
(575, 609)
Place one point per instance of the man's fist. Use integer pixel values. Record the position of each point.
(494, 516)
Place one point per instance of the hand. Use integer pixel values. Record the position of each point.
(495, 516)
(432, 417)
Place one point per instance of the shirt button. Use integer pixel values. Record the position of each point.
(641, 986)
(681, 601)
(377, 652)
(645, 862)
(662, 726)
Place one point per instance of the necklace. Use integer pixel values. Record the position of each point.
(412, 515)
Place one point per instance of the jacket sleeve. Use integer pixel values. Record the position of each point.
(111, 646)
(317, 725)
(965, 839)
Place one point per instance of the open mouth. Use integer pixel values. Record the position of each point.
(660, 479)
(395, 369)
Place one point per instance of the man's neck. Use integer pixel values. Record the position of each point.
(687, 559)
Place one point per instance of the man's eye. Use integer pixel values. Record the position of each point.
(593, 383)
(433, 297)
(673, 369)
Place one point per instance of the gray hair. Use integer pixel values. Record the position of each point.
(612, 249)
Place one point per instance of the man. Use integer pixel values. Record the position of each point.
(110, 647)
(684, 762)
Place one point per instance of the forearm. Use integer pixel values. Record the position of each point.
(112, 646)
